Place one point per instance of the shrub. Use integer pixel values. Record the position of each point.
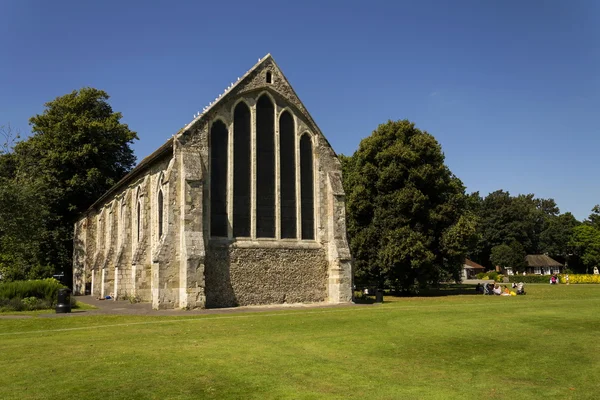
(11, 305)
(480, 275)
(492, 275)
(42, 289)
(530, 278)
(580, 278)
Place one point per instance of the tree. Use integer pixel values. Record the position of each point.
(408, 221)
(586, 244)
(8, 138)
(22, 216)
(78, 150)
(594, 218)
(556, 238)
(505, 219)
(509, 256)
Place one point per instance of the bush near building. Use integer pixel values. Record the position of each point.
(29, 295)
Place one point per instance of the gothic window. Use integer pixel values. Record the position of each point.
(99, 230)
(307, 188)
(241, 170)
(139, 219)
(287, 175)
(218, 179)
(265, 168)
(122, 221)
(160, 213)
(108, 229)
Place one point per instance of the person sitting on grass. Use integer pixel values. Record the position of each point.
(497, 290)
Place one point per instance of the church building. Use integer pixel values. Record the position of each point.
(243, 206)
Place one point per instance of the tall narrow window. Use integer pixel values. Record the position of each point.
(265, 168)
(241, 171)
(160, 213)
(122, 230)
(218, 179)
(307, 188)
(287, 175)
(139, 219)
(269, 77)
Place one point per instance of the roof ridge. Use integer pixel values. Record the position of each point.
(229, 88)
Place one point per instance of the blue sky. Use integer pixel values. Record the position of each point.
(511, 89)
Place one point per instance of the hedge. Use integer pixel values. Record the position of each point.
(530, 278)
(42, 289)
(580, 278)
(573, 278)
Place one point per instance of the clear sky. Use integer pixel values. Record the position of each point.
(511, 89)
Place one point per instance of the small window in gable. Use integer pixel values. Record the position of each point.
(269, 77)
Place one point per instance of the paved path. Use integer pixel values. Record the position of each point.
(123, 307)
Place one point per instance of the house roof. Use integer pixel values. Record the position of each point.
(541, 260)
(472, 265)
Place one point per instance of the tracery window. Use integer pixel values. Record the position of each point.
(265, 168)
(307, 188)
(287, 175)
(218, 179)
(281, 192)
(241, 170)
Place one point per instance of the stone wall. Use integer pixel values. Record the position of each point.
(251, 276)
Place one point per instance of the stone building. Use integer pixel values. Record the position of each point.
(243, 206)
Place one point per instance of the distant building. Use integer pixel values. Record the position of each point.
(541, 264)
(471, 269)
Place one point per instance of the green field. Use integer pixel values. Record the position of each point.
(542, 345)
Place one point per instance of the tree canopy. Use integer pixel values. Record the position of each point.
(408, 221)
(78, 149)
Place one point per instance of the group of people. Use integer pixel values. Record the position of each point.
(496, 289)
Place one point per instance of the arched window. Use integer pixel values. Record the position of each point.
(241, 170)
(108, 228)
(122, 221)
(265, 168)
(269, 77)
(218, 179)
(307, 188)
(160, 213)
(139, 219)
(287, 175)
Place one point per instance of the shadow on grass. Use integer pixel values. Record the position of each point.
(364, 299)
(447, 289)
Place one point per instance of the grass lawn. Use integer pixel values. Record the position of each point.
(542, 345)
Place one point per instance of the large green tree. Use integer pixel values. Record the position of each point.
(78, 150)
(505, 219)
(586, 245)
(407, 213)
(556, 237)
(22, 217)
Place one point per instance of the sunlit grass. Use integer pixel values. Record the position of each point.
(542, 345)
